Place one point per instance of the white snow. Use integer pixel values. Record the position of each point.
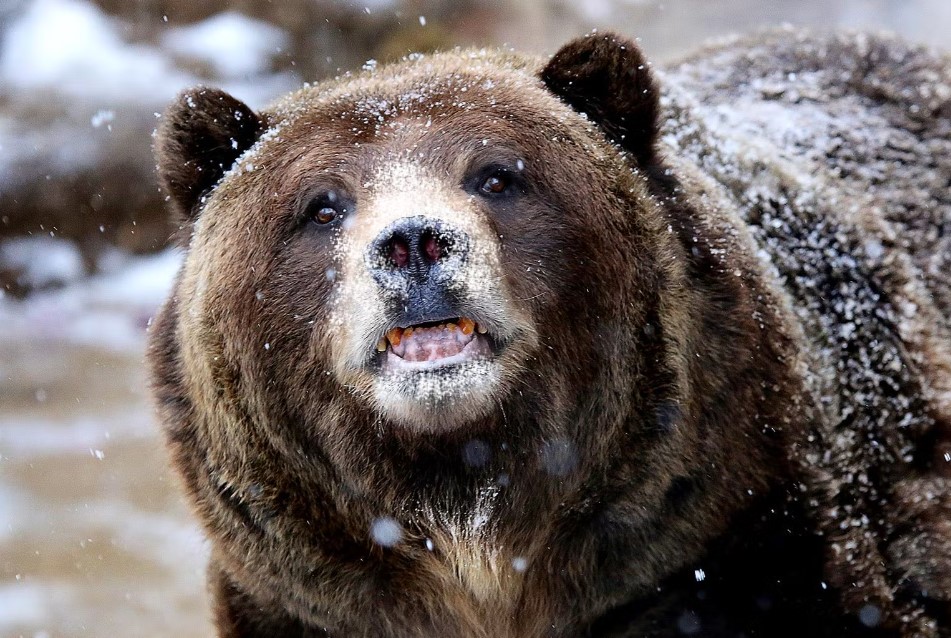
(110, 310)
(41, 260)
(377, 5)
(23, 603)
(35, 435)
(386, 531)
(596, 10)
(13, 501)
(68, 78)
(71, 47)
(102, 117)
(142, 281)
(235, 45)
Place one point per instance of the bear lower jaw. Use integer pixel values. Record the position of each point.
(438, 395)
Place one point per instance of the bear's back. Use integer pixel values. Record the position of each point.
(864, 119)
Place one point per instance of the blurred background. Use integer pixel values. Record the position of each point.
(94, 537)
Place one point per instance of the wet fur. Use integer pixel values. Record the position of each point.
(683, 407)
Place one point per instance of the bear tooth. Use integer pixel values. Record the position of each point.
(481, 329)
(381, 345)
(394, 336)
(467, 325)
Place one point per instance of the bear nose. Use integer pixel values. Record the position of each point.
(416, 249)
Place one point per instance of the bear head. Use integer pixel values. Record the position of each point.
(428, 239)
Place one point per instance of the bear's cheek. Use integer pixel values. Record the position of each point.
(545, 250)
(266, 308)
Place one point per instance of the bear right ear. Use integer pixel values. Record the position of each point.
(201, 135)
(606, 77)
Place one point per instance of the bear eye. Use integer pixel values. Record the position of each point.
(326, 208)
(498, 183)
(325, 215)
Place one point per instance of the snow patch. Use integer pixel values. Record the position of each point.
(42, 261)
(24, 603)
(110, 310)
(233, 44)
(76, 93)
(13, 502)
(71, 47)
(22, 435)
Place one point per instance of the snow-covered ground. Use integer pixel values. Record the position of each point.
(72, 47)
(107, 311)
(94, 538)
(79, 101)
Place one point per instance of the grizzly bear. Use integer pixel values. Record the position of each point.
(481, 344)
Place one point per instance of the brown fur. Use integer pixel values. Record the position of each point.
(666, 400)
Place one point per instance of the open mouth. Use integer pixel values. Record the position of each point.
(435, 344)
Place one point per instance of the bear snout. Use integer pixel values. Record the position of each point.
(414, 261)
(414, 251)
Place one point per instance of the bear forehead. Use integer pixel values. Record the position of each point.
(447, 113)
(477, 92)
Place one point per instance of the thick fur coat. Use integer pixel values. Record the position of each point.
(477, 344)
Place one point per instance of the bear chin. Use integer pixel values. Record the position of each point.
(438, 398)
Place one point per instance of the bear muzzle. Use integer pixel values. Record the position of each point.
(415, 261)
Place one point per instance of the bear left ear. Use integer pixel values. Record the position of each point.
(605, 76)
(200, 136)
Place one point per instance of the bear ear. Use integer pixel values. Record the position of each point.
(605, 76)
(200, 136)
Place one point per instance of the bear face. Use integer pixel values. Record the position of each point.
(418, 227)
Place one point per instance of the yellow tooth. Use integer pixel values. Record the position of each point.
(467, 325)
(452, 327)
(381, 345)
(407, 333)
(395, 336)
(481, 329)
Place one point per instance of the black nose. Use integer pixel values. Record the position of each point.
(416, 251)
